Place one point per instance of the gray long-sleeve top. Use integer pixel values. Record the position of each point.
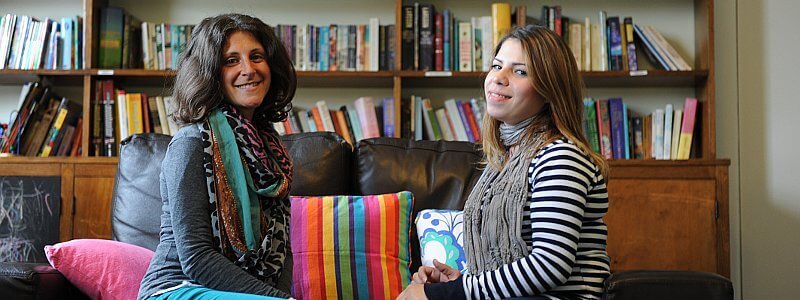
(185, 251)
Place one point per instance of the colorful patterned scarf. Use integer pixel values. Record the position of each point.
(248, 176)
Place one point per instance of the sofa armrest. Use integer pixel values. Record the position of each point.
(20, 280)
(667, 284)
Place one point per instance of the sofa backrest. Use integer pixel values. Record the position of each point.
(439, 174)
(136, 203)
(323, 164)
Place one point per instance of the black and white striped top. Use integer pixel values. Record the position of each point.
(564, 231)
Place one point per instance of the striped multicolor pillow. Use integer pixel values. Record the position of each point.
(351, 247)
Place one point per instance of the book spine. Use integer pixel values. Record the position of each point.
(438, 42)
(676, 133)
(366, 116)
(388, 117)
(591, 124)
(501, 21)
(465, 46)
(447, 46)
(431, 124)
(459, 128)
(463, 119)
(638, 138)
(604, 128)
(687, 128)
(110, 38)
(633, 63)
(615, 108)
(668, 111)
(473, 124)
(614, 44)
(444, 124)
(426, 31)
(658, 134)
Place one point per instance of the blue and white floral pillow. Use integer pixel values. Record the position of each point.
(441, 237)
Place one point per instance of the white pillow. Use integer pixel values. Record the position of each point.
(441, 237)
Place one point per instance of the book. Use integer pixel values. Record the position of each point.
(658, 134)
(162, 115)
(668, 50)
(438, 42)
(617, 122)
(687, 128)
(501, 21)
(389, 124)
(111, 30)
(668, 110)
(590, 124)
(366, 116)
(431, 124)
(465, 47)
(676, 132)
(324, 116)
(463, 115)
(459, 129)
(638, 138)
(471, 121)
(614, 44)
(604, 128)
(444, 124)
(633, 63)
(355, 122)
(426, 36)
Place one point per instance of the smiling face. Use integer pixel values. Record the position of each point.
(510, 95)
(245, 72)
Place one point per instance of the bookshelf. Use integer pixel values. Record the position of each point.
(688, 24)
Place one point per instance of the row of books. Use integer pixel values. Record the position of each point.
(126, 42)
(43, 125)
(27, 43)
(437, 41)
(417, 119)
(616, 133)
(340, 47)
(117, 114)
(610, 44)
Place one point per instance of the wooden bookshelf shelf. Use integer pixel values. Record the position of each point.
(56, 160)
(39, 72)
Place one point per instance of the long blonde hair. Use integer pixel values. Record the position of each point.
(555, 77)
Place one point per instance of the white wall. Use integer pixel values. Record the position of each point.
(769, 103)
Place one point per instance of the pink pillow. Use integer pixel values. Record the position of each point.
(101, 269)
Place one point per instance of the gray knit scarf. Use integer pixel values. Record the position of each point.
(493, 211)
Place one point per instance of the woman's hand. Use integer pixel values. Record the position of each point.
(438, 273)
(414, 291)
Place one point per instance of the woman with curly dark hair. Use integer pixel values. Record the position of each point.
(225, 178)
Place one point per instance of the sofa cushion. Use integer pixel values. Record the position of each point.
(102, 269)
(33, 281)
(136, 208)
(441, 237)
(667, 284)
(440, 174)
(323, 163)
(350, 247)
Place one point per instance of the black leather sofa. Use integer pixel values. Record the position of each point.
(440, 175)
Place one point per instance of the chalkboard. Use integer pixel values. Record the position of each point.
(29, 216)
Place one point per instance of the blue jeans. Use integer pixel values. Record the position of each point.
(204, 293)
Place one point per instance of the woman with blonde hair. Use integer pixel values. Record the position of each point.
(533, 223)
